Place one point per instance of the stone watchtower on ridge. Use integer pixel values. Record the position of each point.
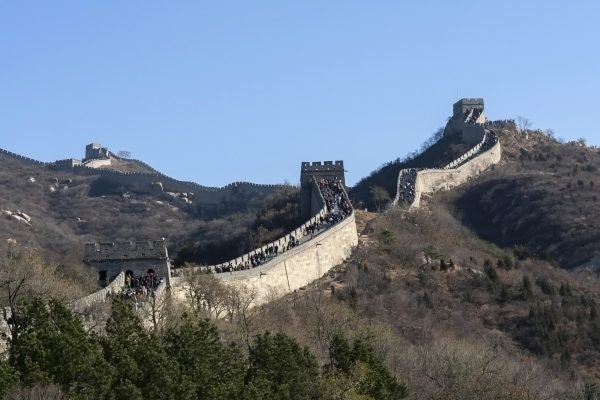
(467, 114)
(309, 203)
(464, 106)
(96, 151)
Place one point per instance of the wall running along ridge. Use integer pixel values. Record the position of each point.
(293, 268)
(143, 181)
(472, 163)
(299, 266)
(287, 272)
(100, 296)
(432, 180)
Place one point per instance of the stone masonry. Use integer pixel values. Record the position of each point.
(316, 170)
(110, 259)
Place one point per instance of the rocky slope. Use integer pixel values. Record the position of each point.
(59, 211)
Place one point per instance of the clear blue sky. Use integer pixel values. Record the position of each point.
(225, 91)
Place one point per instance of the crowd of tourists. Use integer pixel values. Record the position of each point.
(335, 197)
(489, 141)
(502, 123)
(139, 289)
(472, 115)
(408, 177)
(407, 186)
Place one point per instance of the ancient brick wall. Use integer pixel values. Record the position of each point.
(295, 268)
(432, 180)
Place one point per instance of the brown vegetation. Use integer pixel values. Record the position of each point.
(454, 316)
(543, 197)
(68, 210)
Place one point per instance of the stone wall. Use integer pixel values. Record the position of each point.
(126, 250)
(481, 134)
(99, 296)
(27, 160)
(432, 180)
(468, 116)
(142, 182)
(98, 163)
(295, 268)
(282, 242)
(309, 171)
(463, 105)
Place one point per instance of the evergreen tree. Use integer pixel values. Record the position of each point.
(7, 378)
(142, 368)
(281, 369)
(360, 358)
(209, 369)
(527, 291)
(54, 348)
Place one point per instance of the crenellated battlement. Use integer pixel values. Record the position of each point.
(462, 106)
(138, 250)
(22, 158)
(322, 166)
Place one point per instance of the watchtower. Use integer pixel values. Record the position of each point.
(95, 151)
(316, 170)
(463, 106)
(467, 119)
(135, 258)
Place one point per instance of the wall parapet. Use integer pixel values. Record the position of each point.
(100, 296)
(432, 180)
(410, 183)
(79, 168)
(293, 269)
(282, 242)
(22, 158)
(262, 269)
(110, 251)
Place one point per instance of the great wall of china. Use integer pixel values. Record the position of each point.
(315, 255)
(143, 181)
(468, 120)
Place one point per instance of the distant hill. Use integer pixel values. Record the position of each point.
(67, 209)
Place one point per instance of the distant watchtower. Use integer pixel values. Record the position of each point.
(467, 118)
(317, 170)
(462, 107)
(96, 151)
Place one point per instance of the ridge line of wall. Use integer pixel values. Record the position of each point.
(452, 169)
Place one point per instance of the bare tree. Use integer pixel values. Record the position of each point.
(240, 302)
(524, 124)
(207, 294)
(24, 273)
(380, 197)
(124, 154)
(159, 311)
(36, 392)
